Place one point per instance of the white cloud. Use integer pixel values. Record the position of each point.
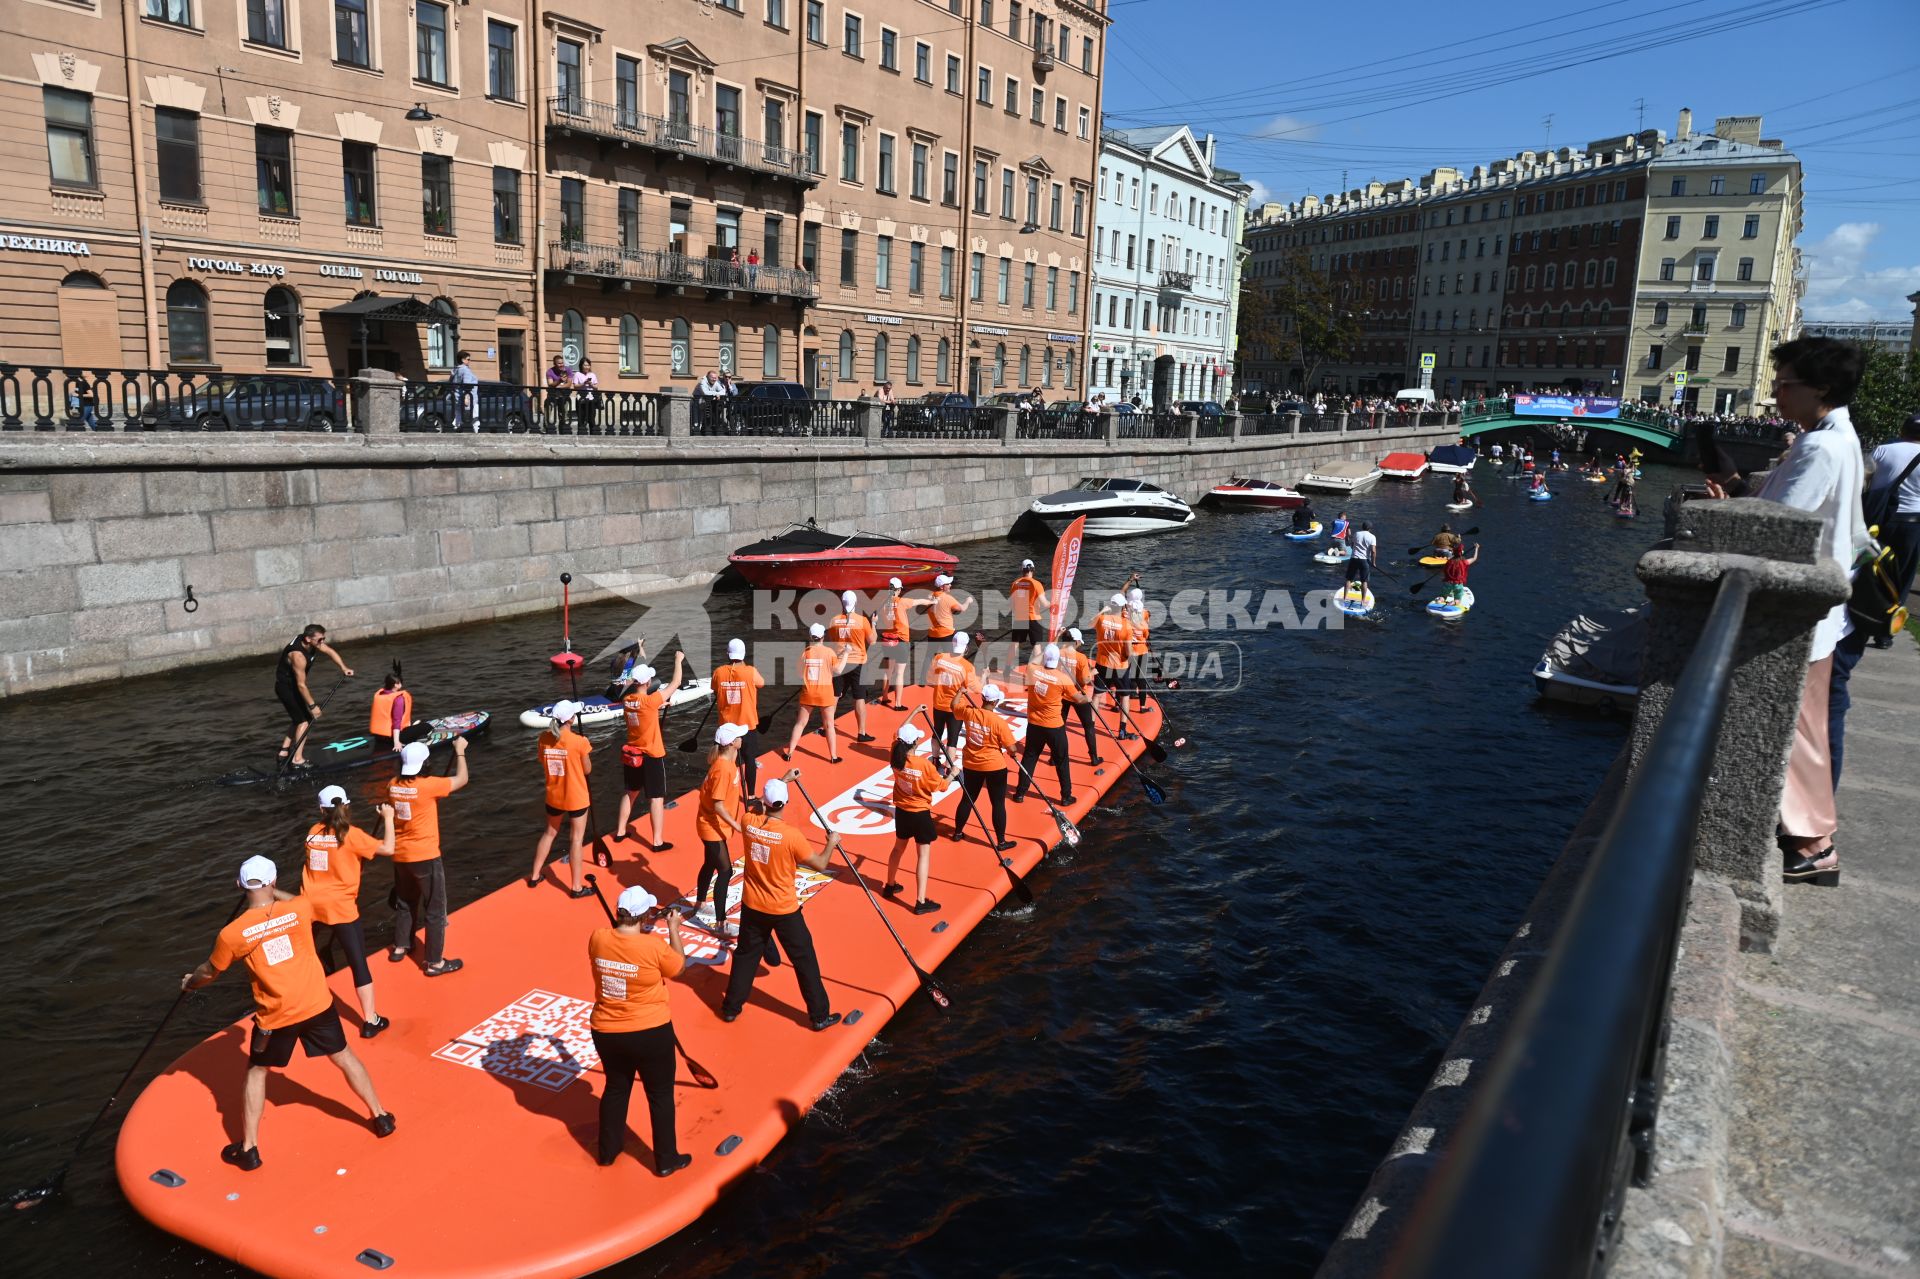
(1288, 128)
(1262, 193)
(1840, 284)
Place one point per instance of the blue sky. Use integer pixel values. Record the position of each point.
(1301, 94)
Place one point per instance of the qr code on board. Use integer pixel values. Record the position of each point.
(540, 1038)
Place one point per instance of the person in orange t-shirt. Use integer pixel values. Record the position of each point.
(948, 674)
(566, 761)
(273, 936)
(1047, 687)
(643, 759)
(736, 700)
(1137, 649)
(820, 669)
(770, 906)
(854, 631)
(915, 783)
(632, 1024)
(716, 821)
(1112, 648)
(1029, 599)
(896, 640)
(943, 609)
(331, 881)
(984, 762)
(1078, 665)
(419, 874)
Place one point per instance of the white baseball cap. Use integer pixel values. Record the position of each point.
(894, 582)
(991, 694)
(909, 734)
(1118, 601)
(257, 872)
(637, 901)
(331, 795)
(775, 791)
(848, 599)
(1026, 563)
(413, 758)
(728, 734)
(959, 641)
(641, 674)
(1136, 596)
(941, 579)
(736, 649)
(564, 710)
(817, 631)
(1050, 656)
(1073, 633)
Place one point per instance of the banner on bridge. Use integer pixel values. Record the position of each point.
(1565, 406)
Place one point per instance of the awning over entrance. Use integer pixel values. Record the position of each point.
(407, 310)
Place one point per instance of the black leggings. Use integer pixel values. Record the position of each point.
(717, 870)
(354, 943)
(1137, 679)
(757, 931)
(1084, 709)
(970, 784)
(1055, 741)
(649, 1054)
(946, 729)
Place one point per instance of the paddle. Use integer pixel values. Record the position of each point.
(29, 1197)
(692, 744)
(701, 1075)
(1154, 794)
(933, 989)
(1020, 888)
(284, 766)
(765, 720)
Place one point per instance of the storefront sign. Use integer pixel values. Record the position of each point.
(1063, 337)
(228, 266)
(883, 319)
(337, 272)
(397, 277)
(1595, 406)
(991, 330)
(42, 244)
(386, 275)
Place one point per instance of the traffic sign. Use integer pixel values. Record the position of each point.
(1680, 378)
(1426, 360)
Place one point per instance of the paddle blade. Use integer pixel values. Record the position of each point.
(933, 988)
(689, 746)
(1158, 751)
(1020, 888)
(1154, 794)
(1069, 833)
(701, 1076)
(30, 1197)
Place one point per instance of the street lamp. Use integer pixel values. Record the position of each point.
(419, 114)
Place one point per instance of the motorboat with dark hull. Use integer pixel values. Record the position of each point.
(1113, 507)
(809, 558)
(1240, 493)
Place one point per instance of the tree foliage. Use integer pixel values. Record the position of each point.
(1300, 319)
(1889, 394)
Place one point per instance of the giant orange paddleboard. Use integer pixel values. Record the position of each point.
(492, 1075)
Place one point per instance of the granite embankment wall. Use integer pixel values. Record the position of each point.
(102, 535)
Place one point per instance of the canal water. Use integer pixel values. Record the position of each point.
(1190, 1053)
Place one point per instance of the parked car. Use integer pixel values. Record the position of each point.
(247, 404)
(496, 406)
(761, 408)
(1205, 408)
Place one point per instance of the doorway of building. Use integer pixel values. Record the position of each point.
(1163, 384)
(810, 372)
(973, 377)
(513, 356)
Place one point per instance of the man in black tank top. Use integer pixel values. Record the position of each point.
(290, 686)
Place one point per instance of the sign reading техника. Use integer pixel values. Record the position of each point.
(45, 244)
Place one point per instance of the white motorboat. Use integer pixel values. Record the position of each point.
(1341, 477)
(1113, 507)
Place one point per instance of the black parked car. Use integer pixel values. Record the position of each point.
(1205, 408)
(493, 406)
(224, 403)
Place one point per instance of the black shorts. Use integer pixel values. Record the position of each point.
(298, 712)
(321, 1035)
(562, 812)
(1036, 633)
(915, 825)
(847, 684)
(649, 775)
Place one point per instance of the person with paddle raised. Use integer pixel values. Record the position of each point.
(948, 674)
(1029, 600)
(736, 694)
(1137, 644)
(632, 1024)
(566, 761)
(331, 881)
(1455, 573)
(983, 762)
(1047, 687)
(820, 669)
(419, 875)
(853, 631)
(770, 906)
(1080, 667)
(290, 686)
(943, 608)
(273, 936)
(915, 783)
(643, 758)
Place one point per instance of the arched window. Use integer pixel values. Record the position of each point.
(913, 361)
(682, 348)
(1026, 366)
(1473, 318)
(89, 322)
(882, 353)
(942, 358)
(282, 321)
(729, 339)
(846, 355)
(1566, 314)
(1606, 314)
(510, 309)
(440, 335)
(1659, 315)
(1586, 314)
(1046, 366)
(630, 345)
(573, 338)
(187, 334)
(1069, 368)
(1000, 364)
(770, 351)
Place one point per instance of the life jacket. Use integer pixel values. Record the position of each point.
(380, 721)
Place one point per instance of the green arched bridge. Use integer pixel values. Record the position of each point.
(1477, 417)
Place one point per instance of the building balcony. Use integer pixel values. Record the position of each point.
(669, 136)
(615, 268)
(1042, 59)
(1700, 286)
(1694, 332)
(1176, 281)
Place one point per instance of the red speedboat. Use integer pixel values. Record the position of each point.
(806, 557)
(1240, 491)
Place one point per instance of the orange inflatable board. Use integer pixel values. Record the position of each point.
(492, 1075)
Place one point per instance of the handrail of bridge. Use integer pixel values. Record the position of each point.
(1534, 1179)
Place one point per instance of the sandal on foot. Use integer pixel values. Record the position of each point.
(585, 890)
(396, 955)
(446, 966)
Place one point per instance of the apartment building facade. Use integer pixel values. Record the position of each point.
(783, 188)
(1541, 270)
(1167, 260)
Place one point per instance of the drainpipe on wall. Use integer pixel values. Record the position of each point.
(963, 254)
(800, 218)
(1093, 217)
(536, 137)
(129, 31)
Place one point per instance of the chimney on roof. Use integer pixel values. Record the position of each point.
(1685, 129)
(1738, 128)
(1206, 148)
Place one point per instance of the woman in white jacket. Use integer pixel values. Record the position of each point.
(1823, 472)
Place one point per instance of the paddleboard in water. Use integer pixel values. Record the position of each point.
(1448, 609)
(1311, 533)
(1433, 561)
(1355, 605)
(1335, 556)
(601, 711)
(1623, 512)
(343, 754)
(1540, 495)
(1459, 506)
(494, 1079)
(1596, 479)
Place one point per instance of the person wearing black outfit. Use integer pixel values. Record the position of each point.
(632, 1024)
(290, 686)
